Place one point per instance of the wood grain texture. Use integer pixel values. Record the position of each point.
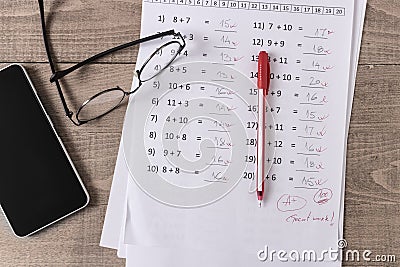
(82, 28)
(77, 29)
(372, 212)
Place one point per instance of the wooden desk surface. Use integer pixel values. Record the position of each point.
(82, 28)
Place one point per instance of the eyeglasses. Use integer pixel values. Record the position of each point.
(108, 100)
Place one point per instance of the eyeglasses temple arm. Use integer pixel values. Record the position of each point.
(60, 74)
(53, 70)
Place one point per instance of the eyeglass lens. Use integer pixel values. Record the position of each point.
(108, 100)
(160, 59)
(100, 104)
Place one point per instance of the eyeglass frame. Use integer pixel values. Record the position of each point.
(57, 75)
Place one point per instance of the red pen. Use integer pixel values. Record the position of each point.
(263, 82)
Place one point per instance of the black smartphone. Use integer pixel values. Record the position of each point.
(39, 184)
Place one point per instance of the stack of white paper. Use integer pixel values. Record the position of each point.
(321, 49)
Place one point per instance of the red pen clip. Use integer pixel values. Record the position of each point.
(264, 72)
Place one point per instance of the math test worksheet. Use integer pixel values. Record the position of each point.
(190, 133)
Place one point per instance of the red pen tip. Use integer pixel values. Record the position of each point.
(263, 71)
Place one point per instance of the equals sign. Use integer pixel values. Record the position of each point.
(300, 28)
(198, 138)
(207, 22)
(291, 178)
(292, 162)
(202, 88)
(204, 54)
(200, 121)
(294, 128)
(297, 78)
(298, 61)
(203, 71)
(295, 111)
(300, 45)
(197, 155)
(293, 145)
(205, 38)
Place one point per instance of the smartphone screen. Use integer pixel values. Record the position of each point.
(38, 182)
